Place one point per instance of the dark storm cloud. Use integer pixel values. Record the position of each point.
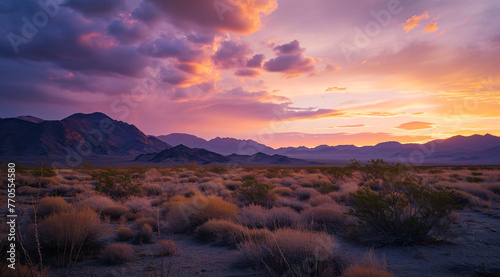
(241, 17)
(171, 48)
(231, 54)
(290, 60)
(200, 38)
(128, 33)
(96, 8)
(247, 72)
(289, 48)
(256, 61)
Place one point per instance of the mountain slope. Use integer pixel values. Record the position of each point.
(218, 145)
(181, 154)
(90, 134)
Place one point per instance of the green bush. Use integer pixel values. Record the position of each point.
(404, 213)
(255, 192)
(44, 171)
(116, 184)
(217, 169)
(474, 179)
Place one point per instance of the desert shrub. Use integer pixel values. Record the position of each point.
(475, 173)
(61, 189)
(253, 216)
(151, 189)
(152, 175)
(474, 179)
(282, 191)
(188, 213)
(144, 234)
(70, 234)
(137, 204)
(96, 202)
(476, 190)
(256, 193)
(326, 188)
(118, 253)
(405, 214)
(47, 181)
(217, 169)
(336, 173)
(290, 252)
(115, 211)
(378, 169)
(306, 193)
(282, 217)
(293, 203)
(123, 233)
(325, 218)
(436, 171)
(320, 199)
(50, 205)
(495, 188)
(369, 266)
(229, 233)
(232, 185)
(465, 199)
(248, 177)
(26, 180)
(224, 232)
(45, 172)
(146, 221)
(116, 184)
(166, 247)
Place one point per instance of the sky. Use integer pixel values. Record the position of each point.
(281, 72)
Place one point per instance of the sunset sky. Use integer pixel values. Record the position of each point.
(284, 73)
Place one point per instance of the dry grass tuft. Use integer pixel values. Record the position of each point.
(124, 233)
(188, 213)
(71, 233)
(166, 247)
(369, 266)
(290, 252)
(115, 211)
(50, 205)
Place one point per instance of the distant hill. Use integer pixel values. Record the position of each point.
(218, 145)
(30, 118)
(181, 154)
(476, 149)
(53, 138)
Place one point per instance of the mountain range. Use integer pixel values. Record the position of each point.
(103, 139)
(81, 133)
(182, 154)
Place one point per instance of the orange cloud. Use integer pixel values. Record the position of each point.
(334, 89)
(241, 17)
(415, 125)
(352, 126)
(431, 27)
(414, 21)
